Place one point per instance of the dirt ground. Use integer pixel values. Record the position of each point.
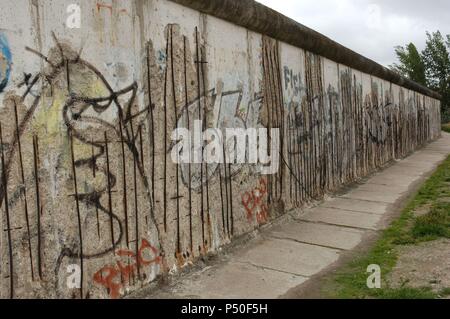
(423, 265)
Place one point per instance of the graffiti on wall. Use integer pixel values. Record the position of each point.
(107, 163)
(98, 123)
(255, 203)
(338, 135)
(86, 173)
(113, 278)
(5, 62)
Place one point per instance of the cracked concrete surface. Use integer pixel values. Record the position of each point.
(310, 241)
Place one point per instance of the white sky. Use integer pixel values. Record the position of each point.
(370, 27)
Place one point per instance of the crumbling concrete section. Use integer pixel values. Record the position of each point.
(93, 205)
(285, 257)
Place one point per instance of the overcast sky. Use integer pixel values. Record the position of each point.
(370, 27)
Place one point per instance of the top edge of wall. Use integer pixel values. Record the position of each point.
(261, 19)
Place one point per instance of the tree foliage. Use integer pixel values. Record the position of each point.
(437, 61)
(431, 67)
(411, 63)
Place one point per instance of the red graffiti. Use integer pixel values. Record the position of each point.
(109, 7)
(114, 277)
(255, 204)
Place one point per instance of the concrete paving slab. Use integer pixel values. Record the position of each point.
(381, 182)
(343, 218)
(428, 162)
(398, 170)
(356, 205)
(372, 196)
(393, 189)
(393, 177)
(331, 236)
(423, 166)
(289, 256)
(436, 152)
(388, 179)
(422, 158)
(238, 281)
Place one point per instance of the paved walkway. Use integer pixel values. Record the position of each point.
(286, 256)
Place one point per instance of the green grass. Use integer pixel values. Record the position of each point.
(433, 225)
(350, 280)
(446, 127)
(445, 292)
(406, 293)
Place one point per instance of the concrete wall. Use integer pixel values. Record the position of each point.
(86, 120)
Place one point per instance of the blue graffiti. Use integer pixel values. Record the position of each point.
(5, 62)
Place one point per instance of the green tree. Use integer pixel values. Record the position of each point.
(436, 58)
(411, 64)
(431, 67)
